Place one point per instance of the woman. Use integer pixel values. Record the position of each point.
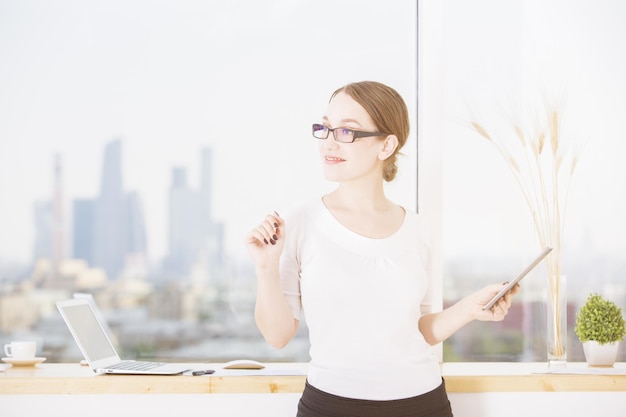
(358, 265)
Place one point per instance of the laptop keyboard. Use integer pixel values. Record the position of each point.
(136, 365)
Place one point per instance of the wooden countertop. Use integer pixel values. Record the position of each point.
(71, 378)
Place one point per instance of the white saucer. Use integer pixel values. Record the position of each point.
(24, 362)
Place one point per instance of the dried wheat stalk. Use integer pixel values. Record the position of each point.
(544, 179)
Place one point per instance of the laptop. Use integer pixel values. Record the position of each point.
(99, 315)
(94, 343)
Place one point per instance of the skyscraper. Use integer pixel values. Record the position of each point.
(135, 252)
(110, 227)
(135, 226)
(83, 230)
(109, 231)
(206, 189)
(49, 221)
(185, 233)
(43, 217)
(194, 237)
(58, 223)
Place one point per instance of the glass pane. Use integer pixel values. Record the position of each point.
(141, 140)
(489, 233)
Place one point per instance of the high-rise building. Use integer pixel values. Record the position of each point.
(49, 221)
(84, 230)
(110, 227)
(135, 260)
(135, 225)
(58, 222)
(44, 219)
(184, 231)
(109, 231)
(194, 236)
(206, 189)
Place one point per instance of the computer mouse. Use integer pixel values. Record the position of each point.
(243, 364)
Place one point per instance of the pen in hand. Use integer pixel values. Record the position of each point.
(203, 372)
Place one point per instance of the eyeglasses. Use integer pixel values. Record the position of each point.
(341, 134)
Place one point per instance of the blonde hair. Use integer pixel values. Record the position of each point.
(388, 111)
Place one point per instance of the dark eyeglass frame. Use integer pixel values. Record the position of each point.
(317, 127)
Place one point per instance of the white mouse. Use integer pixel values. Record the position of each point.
(243, 364)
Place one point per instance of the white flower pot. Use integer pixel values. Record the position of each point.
(600, 355)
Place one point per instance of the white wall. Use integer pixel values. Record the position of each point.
(570, 404)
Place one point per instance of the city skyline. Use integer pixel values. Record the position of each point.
(108, 231)
(248, 79)
(172, 78)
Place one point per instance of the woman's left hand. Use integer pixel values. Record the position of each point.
(437, 327)
(482, 297)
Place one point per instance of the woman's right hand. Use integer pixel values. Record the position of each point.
(266, 241)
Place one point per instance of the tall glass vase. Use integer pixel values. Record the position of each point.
(557, 320)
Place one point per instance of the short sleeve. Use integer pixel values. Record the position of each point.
(427, 303)
(290, 262)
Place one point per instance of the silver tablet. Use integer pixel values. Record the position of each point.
(517, 279)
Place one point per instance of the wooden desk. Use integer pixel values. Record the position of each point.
(68, 378)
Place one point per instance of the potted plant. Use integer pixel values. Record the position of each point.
(600, 327)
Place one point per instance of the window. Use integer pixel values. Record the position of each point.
(495, 54)
(140, 141)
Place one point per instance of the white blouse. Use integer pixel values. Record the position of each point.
(362, 299)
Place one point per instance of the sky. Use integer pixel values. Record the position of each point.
(522, 52)
(246, 78)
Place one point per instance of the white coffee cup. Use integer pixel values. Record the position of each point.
(20, 350)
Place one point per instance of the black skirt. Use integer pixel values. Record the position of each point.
(317, 403)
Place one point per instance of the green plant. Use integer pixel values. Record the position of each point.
(600, 320)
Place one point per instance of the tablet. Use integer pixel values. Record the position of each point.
(517, 279)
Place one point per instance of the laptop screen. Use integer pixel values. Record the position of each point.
(88, 332)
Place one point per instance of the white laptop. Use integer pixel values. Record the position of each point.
(99, 315)
(95, 345)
